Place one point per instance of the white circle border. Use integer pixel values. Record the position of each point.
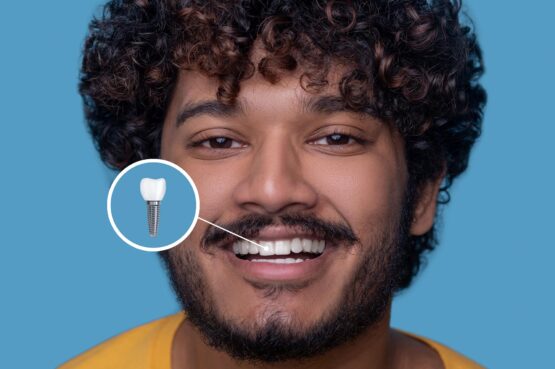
(113, 223)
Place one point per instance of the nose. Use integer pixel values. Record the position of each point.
(274, 181)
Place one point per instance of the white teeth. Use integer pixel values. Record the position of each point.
(244, 247)
(315, 246)
(278, 261)
(153, 189)
(307, 245)
(253, 249)
(279, 247)
(282, 247)
(296, 245)
(321, 246)
(268, 248)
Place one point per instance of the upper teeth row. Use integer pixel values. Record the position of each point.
(279, 247)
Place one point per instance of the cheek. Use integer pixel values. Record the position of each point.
(363, 190)
(215, 187)
(214, 181)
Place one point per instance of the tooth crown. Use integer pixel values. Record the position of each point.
(153, 189)
(280, 247)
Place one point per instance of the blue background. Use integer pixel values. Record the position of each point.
(68, 282)
(177, 209)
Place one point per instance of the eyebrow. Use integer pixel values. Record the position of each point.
(213, 108)
(322, 104)
(326, 104)
(329, 104)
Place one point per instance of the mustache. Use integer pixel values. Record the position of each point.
(249, 226)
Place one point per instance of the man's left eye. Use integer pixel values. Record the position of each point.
(335, 139)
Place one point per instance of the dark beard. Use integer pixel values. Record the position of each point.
(364, 302)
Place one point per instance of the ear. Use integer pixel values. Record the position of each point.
(425, 209)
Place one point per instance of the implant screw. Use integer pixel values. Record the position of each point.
(153, 215)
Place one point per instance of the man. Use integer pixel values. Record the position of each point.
(328, 131)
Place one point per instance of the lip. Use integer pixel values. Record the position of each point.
(270, 233)
(271, 272)
(277, 232)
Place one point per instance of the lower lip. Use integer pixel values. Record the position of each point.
(261, 271)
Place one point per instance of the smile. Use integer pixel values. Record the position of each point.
(284, 251)
(289, 255)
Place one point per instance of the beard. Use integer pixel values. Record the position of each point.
(363, 303)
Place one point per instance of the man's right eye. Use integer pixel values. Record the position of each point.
(218, 143)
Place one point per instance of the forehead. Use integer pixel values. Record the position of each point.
(195, 95)
(193, 86)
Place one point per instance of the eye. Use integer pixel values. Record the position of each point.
(215, 144)
(336, 139)
(340, 140)
(219, 142)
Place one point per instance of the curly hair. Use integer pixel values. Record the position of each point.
(413, 64)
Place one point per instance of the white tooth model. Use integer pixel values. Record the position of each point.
(153, 191)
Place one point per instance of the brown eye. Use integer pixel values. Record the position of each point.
(220, 143)
(338, 139)
(335, 139)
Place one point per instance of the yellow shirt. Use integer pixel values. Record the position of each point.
(149, 347)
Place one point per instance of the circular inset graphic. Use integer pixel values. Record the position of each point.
(153, 205)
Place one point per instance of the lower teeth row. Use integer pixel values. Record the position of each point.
(278, 261)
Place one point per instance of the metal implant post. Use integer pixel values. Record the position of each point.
(153, 215)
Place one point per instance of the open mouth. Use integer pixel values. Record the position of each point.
(285, 251)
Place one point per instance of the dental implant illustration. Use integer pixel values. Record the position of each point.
(153, 191)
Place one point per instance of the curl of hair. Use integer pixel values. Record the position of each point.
(413, 64)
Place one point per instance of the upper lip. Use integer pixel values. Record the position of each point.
(272, 233)
(279, 232)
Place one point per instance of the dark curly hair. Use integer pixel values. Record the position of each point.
(413, 64)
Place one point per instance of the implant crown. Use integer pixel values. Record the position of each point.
(153, 189)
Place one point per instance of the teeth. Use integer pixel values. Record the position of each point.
(280, 247)
(245, 247)
(314, 247)
(321, 246)
(307, 245)
(296, 245)
(268, 248)
(253, 249)
(153, 189)
(242, 247)
(278, 261)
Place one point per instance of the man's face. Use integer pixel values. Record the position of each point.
(282, 166)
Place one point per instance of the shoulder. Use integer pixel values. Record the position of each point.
(451, 359)
(133, 348)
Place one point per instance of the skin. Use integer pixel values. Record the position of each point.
(280, 161)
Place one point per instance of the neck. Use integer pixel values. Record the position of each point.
(372, 349)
